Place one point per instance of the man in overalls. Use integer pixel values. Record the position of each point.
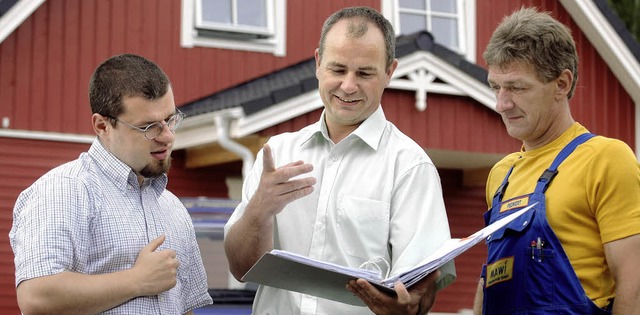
(577, 252)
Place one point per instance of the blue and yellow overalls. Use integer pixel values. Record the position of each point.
(527, 270)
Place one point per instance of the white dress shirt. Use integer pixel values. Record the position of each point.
(378, 195)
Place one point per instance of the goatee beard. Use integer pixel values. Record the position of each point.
(156, 169)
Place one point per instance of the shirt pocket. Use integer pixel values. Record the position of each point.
(363, 226)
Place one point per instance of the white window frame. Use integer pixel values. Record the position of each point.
(271, 39)
(466, 24)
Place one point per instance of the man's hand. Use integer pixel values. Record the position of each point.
(277, 188)
(417, 300)
(252, 235)
(77, 293)
(156, 270)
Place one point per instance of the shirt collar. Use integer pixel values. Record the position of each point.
(370, 131)
(573, 131)
(119, 173)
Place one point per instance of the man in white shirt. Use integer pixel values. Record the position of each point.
(348, 189)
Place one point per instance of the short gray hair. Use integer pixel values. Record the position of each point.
(357, 30)
(537, 38)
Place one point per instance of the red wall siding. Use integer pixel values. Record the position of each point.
(465, 206)
(449, 123)
(46, 63)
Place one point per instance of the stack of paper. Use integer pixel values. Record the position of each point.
(289, 271)
(359, 272)
(449, 250)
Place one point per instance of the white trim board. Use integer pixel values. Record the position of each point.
(13, 18)
(612, 49)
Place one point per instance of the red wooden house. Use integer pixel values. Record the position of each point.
(245, 71)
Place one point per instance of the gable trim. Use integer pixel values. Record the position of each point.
(613, 50)
(20, 11)
(422, 67)
(608, 44)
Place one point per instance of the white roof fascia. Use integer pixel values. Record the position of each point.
(199, 130)
(612, 49)
(281, 112)
(46, 136)
(20, 11)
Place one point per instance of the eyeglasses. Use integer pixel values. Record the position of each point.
(154, 129)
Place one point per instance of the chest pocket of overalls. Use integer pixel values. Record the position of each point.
(516, 262)
(517, 226)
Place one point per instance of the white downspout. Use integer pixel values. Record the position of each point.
(222, 133)
(222, 130)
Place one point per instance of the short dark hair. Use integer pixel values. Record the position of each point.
(537, 38)
(125, 75)
(368, 15)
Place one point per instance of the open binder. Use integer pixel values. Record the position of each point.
(289, 271)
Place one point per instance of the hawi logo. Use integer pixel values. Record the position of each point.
(500, 271)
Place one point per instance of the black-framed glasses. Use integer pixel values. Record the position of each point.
(152, 130)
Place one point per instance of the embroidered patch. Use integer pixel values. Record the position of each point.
(500, 271)
(514, 204)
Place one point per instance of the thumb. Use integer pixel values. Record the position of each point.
(435, 275)
(403, 294)
(154, 244)
(267, 159)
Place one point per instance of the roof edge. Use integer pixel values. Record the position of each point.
(620, 27)
(13, 18)
(595, 21)
(608, 43)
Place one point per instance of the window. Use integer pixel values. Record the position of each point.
(253, 25)
(450, 21)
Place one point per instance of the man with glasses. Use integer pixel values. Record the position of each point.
(152, 130)
(101, 234)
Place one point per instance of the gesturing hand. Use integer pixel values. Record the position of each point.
(277, 188)
(156, 270)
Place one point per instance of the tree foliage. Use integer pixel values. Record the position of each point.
(629, 13)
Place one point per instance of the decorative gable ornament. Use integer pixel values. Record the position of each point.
(424, 73)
